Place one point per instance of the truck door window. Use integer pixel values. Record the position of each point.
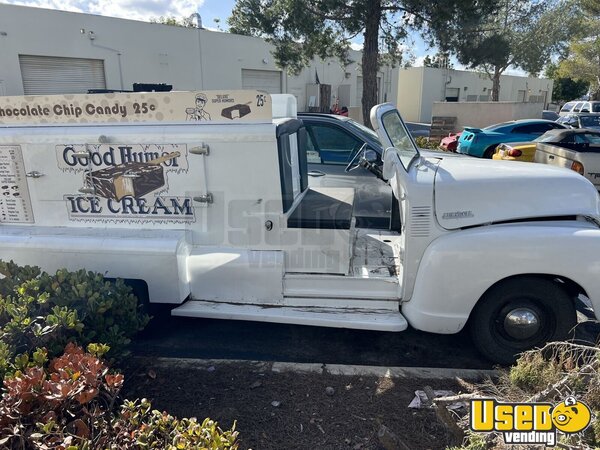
(335, 146)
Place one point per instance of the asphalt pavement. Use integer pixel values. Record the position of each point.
(179, 337)
(226, 339)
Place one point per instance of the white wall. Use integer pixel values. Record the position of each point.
(189, 59)
(483, 114)
(410, 94)
(157, 56)
(435, 81)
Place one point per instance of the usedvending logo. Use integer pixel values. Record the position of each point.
(125, 182)
(529, 423)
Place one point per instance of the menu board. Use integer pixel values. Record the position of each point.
(15, 204)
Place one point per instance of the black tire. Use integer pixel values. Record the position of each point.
(544, 298)
(489, 152)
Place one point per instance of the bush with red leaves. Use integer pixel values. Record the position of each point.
(59, 405)
(70, 404)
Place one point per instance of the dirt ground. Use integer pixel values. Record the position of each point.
(290, 410)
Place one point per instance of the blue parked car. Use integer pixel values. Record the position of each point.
(482, 142)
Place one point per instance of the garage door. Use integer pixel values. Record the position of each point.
(262, 80)
(56, 75)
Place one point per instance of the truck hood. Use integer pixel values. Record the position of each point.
(470, 192)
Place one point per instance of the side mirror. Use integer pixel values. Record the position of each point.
(371, 156)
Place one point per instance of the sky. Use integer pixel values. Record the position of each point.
(209, 10)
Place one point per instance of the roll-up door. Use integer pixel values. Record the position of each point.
(262, 80)
(57, 75)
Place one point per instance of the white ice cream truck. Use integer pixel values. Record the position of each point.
(203, 197)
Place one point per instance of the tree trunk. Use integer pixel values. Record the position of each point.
(370, 58)
(496, 85)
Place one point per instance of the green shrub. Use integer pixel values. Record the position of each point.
(158, 430)
(473, 441)
(108, 310)
(39, 310)
(533, 373)
(70, 403)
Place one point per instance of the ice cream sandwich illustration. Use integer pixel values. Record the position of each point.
(236, 111)
(131, 179)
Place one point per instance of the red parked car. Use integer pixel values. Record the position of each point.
(450, 142)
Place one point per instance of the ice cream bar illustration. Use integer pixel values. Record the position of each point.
(134, 179)
(236, 111)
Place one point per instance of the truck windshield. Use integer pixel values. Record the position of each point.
(400, 138)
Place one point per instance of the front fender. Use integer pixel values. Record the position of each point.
(458, 268)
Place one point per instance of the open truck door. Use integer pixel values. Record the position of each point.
(400, 149)
(412, 191)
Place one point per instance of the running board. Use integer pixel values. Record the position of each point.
(354, 318)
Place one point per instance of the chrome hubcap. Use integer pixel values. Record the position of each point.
(521, 323)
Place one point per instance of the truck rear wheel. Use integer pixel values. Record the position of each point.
(520, 314)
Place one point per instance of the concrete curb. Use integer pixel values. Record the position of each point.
(331, 369)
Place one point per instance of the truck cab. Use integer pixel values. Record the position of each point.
(218, 219)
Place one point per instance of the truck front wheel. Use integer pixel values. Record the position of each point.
(520, 314)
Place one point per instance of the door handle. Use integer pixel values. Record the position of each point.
(316, 173)
(550, 156)
(34, 174)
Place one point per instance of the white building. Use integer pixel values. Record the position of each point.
(50, 52)
(420, 87)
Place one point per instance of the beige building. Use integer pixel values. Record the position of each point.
(420, 87)
(50, 52)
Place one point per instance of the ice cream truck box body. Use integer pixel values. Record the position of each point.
(214, 213)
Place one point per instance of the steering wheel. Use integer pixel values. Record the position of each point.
(355, 163)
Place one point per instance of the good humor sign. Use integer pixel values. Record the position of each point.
(125, 182)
